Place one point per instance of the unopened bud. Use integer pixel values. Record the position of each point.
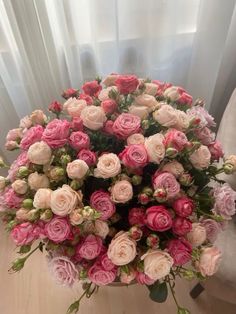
(33, 215)
(56, 173)
(27, 203)
(18, 264)
(135, 233)
(147, 190)
(65, 159)
(143, 198)
(2, 182)
(46, 215)
(153, 241)
(145, 124)
(83, 274)
(70, 251)
(76, 184)
(136, 180)
(160, 195)
(199, 102)
(171, 152)
(88, 212)
(228, 168)
(2, 163)
(188, 274)
(186, 179)
(23, 172)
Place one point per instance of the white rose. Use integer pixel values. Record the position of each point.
(77, 169)
(172, 93)
(201, 157)
(174, 167)
(25, 122)
(182, 120)
(20, 186)
(38, 117)
(157, 264)
(155, 148)
(135, 139)
(151, 89)
(39, 153)
(197, 236)
(139, 111)
(108, 166)
(74, 106)
(76, 217)
(104, 93)
(63, 201)
(101, 228)
(38, 180)
(122, 191)
(166, 116)
(146, 100)
(93, 117)
(42, 198)
(2, 183)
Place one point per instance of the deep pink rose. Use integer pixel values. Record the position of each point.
(126, 83)
(162, 86)
(185, 99)
(91, 88)
(109, 106)
(79, 140)
(55, 107)
(11, 199)
(143, 279)
(181, 226)
(106, 263)
(125, 125)
(175, 139)
(137, 216)
(87, 98)
(158, 218)
(22, 160)
(101, 277)
(58, 229)
(134, 156)
(180, 250)
(225, 198)
(70, 92)
(216, 150)
(101, 201)
(32, 136)
(77, 124)
(90, 247)
(166, 181)
(205, 135)
(183, 206)
(212, 227)
(88, 156)
(56, 133)
(108, 127)
(24, 234)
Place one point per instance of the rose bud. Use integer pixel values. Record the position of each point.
(65, 159)
(143, 198)
(147, 191)
(22, 214)
(83, 274)
(2, 183)
(70, 92)
(199, 102)
(135, 233)
(90, 213)
(33, 215)
(229, 165)
(171, 152)
(11, 145)
(27, 203)
(115, 218)
(2, 163)
(160, 195)
(136, 180)
(55, 107)
(46, 215)
(23, 172)
(153, 241)
(186, 179)
(18, 264)
(56, 173)
(76, 184)
(228, 168)
(145, 124)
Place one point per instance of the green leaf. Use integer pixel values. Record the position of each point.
(74, 307)
(24, 249)
(158, 292)
(182, 310)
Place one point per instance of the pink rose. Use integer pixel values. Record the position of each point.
(175, 139)
(135, 139)
(122, 191)
(20, 186)
(79, 140)
(174, 167)
(101, 228)
(134, 156)
(137, 216)
(106, 263)
(166, 116)
(76, 124)
(69, 92)
(101, 201)
(58, 230)
(126, 83)
(11, 145)
(109, 106)
(225, 198)
(101, 277)
(93, 117)
(88, 156)
(201, 157)
(155, 148)
(127, 278)
(158, 218)
(33, 135)
(77, 169)
(126, 124)
(91, 88)
(38, 117)
(108, 127)
(216, 150)
(110, 79)
(63, 200)
(90, 248)
(14, 135)
(209, 261)
(56, 133)
(11, 199)
(212, 227)
(183, 206)
(166, 181)
(180, 250)
(87, 98)
(63, 270)
(181, 226)
(197, 235)
(144, 279)
(108, 166)
(74, 107)
(55, 107)
(22, 160)
(205, 135)
(200, 113)
(185, 99)
(23, 234)
(25, 122)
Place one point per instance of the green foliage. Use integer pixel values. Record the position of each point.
(158, 292)
(182, 310)
(24, 249)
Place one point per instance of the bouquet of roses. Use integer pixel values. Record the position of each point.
(121, 186)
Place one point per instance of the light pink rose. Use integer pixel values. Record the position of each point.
(20, 186)
(77, 169)
(216, 150)
(110, 79)
(209, 261)
(101, 201)
(101, 277)
(205, 135)
(167, 182)
(175, 139)
(56, 133)
(109, 106)
(22, 214)
(166, 116)
(79, 140)
(63, 200)
(151, 89)
(155, 148)
(90, 248)
(91, 88)
(174, 167)
(74, 106)
(197, 236)
(172, 92)
(180, 250)
(127, 83)
(11, 145)
(127, 278)
(22, 160)
(108, 166)
(101, 228)
(122, 191)
(58, 229)
(137, 216)
(183, 206)
(181, 226)
(93, 117)
(126, 124)
(134, 156)
(23, 234)
(14, 135)
(63, 270)
(32, 136)
(140, 111)
(198, 112)
(11, 199)
(104, 93)
(182, 121)
(158, 218)
(201, 157)
(39, 153)
(135, 139)
(25, 122)
(38, 117)
(212, 227)
(147, 101)
(225, 198)
(144, 279)
(38, 180)
(76, 217)
(2, 182)
(88, 156)
(122, 249)
(42, 198)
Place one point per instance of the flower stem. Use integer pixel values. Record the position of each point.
(172, 292)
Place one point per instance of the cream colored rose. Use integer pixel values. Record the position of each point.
(101, 228)
(157, 264)
(151, 89)
(172, 93)
(122, 191)
(22, 214)
(76, 217)
(232, 161)
(122, 249)
(209, 261)
(2, 183)
(110, 79)
(166, 116)
(93, 117)
(38, 117)
(174, 167)
(201, 157)
(63, 200)
(155, 147)
(38, 180)
(182, 121)
(25, 122)
(135, 139)
(197, 236)
(104, 93)
(39, 153)
(42, 198)
(108, 166)
(77, 169)
(20, 186)
(146, 100)
(74, 106)
(88, 227)
(139, 111)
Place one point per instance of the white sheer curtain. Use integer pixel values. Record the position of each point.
(49, 45)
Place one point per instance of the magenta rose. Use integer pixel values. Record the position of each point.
(183, 206)
(56, 133)
(22, 160)
(180, 250)
(185, 99)
(32, 136)
(91, 88)
(126, 83)
(216, 150)
(77, 124)
(90, 247)
(166, 181)
(175, 139)
(125, 125)
(58, 229)
(11, 199)
(137, 216)
(101, 277)
(108, 127)
(55, 107)
(79, 140)
(158, 218)
(134, 156)
(225, 198)
(88, 156)
(109, 106)
(181, 226)
(101, 201)
(106, 263)
(143, 279)
(212, 227)
(87, 98)
(23, 234)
